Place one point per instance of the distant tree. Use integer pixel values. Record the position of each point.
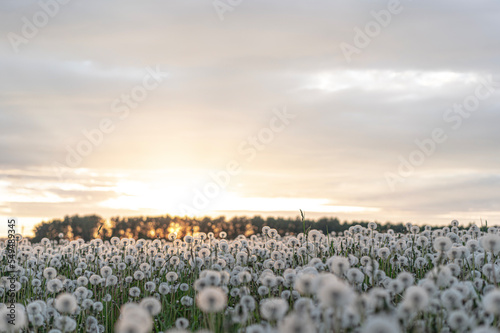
(50, 230)
(71, 227)
(84, 226)
(148, 227)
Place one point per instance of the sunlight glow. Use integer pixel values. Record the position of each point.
(320, 205)
(138, 196)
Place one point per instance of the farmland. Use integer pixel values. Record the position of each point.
(359, 280)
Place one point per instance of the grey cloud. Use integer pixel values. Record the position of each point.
(225, 77)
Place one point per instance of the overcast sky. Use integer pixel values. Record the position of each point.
(128, 108)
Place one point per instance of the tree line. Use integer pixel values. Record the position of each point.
(150, 227)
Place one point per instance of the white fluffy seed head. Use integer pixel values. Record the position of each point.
(128, 326)
(334, 294)
(458, 320)
(151, 305)
(339, 265)
(442, 244)
(211, 299)
(66, 303)
(297, 324)
(380, 324)
(491, 302)
(491, 243)
(6, 321)
(49, 273)
(416, 297)
(304, 284)
(273, 309)
(136, 317)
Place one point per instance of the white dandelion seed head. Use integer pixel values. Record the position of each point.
(133, 313)
(380, 324)
(65, 323)
(355, 276)
(97, 306)
(129, 326)
(134, 292)
(458, 320)
(491, 243)
(106, 271)
(304, 284)
(295, 323)
(451, 299)
(181, 323)
(334, 293)
(442, 244)
(171, 277)
(6, 323)
(416, 297)
(66, 303)
(303, 305)
(406, 278)
(491, 301)
(273, 309)
(54, 285)
(338, 265)
(151, 305)
(249, 302)
(211, 299)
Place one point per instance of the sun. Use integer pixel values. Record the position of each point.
(176, 228)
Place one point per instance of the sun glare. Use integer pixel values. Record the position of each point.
(141, 196)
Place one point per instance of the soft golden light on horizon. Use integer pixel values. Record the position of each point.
(156, 197)
(233, 201)
(152, 199)
(164, 191)
(174, 228)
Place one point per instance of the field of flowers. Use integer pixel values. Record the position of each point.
(442, 280)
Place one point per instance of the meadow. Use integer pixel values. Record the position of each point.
(359, 280)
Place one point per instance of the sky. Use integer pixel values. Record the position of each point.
(373, 110)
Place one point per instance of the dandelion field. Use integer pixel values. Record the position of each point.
(361, 280)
